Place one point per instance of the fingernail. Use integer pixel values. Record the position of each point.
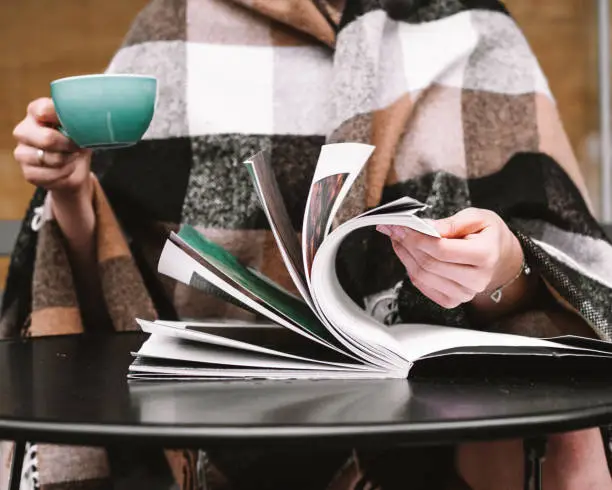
(383, 229)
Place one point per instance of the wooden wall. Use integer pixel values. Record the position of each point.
(43, 39)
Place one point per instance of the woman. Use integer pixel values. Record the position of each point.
(451, 96)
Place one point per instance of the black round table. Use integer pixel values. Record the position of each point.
(74, 390)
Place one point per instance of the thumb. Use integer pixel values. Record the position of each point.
(462, 224)
(43, 110)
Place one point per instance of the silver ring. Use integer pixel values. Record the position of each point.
(41, 157)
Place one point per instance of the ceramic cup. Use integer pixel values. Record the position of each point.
(105, 111)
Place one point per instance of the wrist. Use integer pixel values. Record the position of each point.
(73, 196)
(510, 264)
(74, 212)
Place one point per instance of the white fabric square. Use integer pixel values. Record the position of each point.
(392, 82)
(502, 62)
(302, 80)
(229, 89)
(437, 52)
(356, 67)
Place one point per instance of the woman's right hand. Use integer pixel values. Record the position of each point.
(48, 158)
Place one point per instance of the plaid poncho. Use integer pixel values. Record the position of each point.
(450, 94)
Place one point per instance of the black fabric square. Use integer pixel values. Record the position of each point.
(220, 193)
(534, 186)
(147, 181)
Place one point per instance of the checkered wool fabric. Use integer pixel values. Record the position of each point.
(450, 94)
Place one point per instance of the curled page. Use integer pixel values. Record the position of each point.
(276, 212)
(233, 276)
(337, 169)
(335, 304)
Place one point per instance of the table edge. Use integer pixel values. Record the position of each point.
(418, 434)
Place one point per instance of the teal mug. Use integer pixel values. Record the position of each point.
(105, 111)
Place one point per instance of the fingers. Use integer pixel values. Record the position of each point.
(447, 292)
(47, 177)
(465, 222)
(473, 278)
(43, 111)
(472, 252)
(31, 133)
(471, 255)
(36, 129)
(54, 167)
(28, 155)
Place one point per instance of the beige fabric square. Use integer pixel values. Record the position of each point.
(388, 126)
(496, 127)
(433, 137)
(76, 463)
(126, 296)
(226, 22)
(111, 242)
(300, 15)
(52, 284)
(55, 321)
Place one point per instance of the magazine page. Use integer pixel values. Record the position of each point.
(264, 339)
(174, 263)
(165, 347)
(335, 304)
(420, 341)
(227, 273)
(168, 357)
(171, 372)
(273, 205)
(337, 169)
(189, 267)
(403, 204)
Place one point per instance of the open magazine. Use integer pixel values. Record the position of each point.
(320, 333)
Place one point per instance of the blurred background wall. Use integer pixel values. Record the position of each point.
(43, 39)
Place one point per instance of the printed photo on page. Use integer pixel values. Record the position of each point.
(337, 169)
(324, 194)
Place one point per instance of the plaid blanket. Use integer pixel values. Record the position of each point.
(460, 113)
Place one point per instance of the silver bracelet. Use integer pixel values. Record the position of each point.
(496, 295)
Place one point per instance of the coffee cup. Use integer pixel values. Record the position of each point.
(106, 110)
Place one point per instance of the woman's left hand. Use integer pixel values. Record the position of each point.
(477, 253)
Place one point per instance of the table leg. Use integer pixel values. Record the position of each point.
(534, 450)
(17, 465)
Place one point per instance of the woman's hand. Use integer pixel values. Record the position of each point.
(48, 159)
(477, 253)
